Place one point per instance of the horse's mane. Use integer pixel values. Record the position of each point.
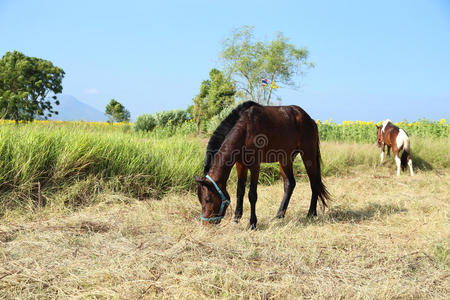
(221, 132)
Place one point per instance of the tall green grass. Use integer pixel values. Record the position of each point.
(52, 159)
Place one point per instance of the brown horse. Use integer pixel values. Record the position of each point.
(250, 135)
(396, 138)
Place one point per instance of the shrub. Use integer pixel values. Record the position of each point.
(171, 117)
(217, 119)
(145, 122)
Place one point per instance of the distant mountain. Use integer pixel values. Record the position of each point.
(71, 109)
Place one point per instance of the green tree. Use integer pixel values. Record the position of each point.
(221, 92)
(116, 112)
(249, 61)
(25, 84)
(216, 93)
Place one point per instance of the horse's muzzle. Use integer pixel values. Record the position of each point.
(214, 222)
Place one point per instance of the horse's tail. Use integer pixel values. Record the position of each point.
(406, 153)
(320, 186)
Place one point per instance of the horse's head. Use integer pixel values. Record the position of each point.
(214, 200)
(380, 139)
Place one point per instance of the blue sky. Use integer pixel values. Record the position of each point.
(374, 59)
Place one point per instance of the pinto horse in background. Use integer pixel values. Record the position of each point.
(396, 138)
(250, 135)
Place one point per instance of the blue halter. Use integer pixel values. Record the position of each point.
(225, 203)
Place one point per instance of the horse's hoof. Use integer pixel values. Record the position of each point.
(311, 215)
(236, 220)
(280, 216)
(252, 226)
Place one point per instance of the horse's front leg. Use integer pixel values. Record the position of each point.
(242, 179)
(382, 155)
(253, 196)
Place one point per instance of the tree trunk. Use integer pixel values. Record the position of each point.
(198, 126)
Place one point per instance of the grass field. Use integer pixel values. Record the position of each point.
(98, 211)
(382, 238)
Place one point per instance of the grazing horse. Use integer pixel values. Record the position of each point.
(396, 138)
(250, 135)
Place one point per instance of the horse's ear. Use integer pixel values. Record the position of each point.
(377, 126)
(199, 179)
(203, 181)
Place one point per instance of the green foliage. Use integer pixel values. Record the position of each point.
(116, 112)
(166, 121)
(187, 129)
(171, 117)
(215, 121)
(25, 84)
(249, 60)
(215, 94)
(145, 122)
(220, 94)
(190, 111)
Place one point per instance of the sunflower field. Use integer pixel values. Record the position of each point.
(366, 132)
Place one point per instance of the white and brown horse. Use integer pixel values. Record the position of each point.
(396, 138)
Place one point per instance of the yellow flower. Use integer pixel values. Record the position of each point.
(442, 121)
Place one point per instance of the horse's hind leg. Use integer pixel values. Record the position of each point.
(289, 185)
(310, 160)
(253, 196)
(398, 162)
(410, 165)
(242, 178)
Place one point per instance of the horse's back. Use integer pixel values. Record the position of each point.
(396, 137)
(277, 115)
(390, 133)
(282, 126)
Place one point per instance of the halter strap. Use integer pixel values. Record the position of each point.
(217, 188)
(225, 202)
